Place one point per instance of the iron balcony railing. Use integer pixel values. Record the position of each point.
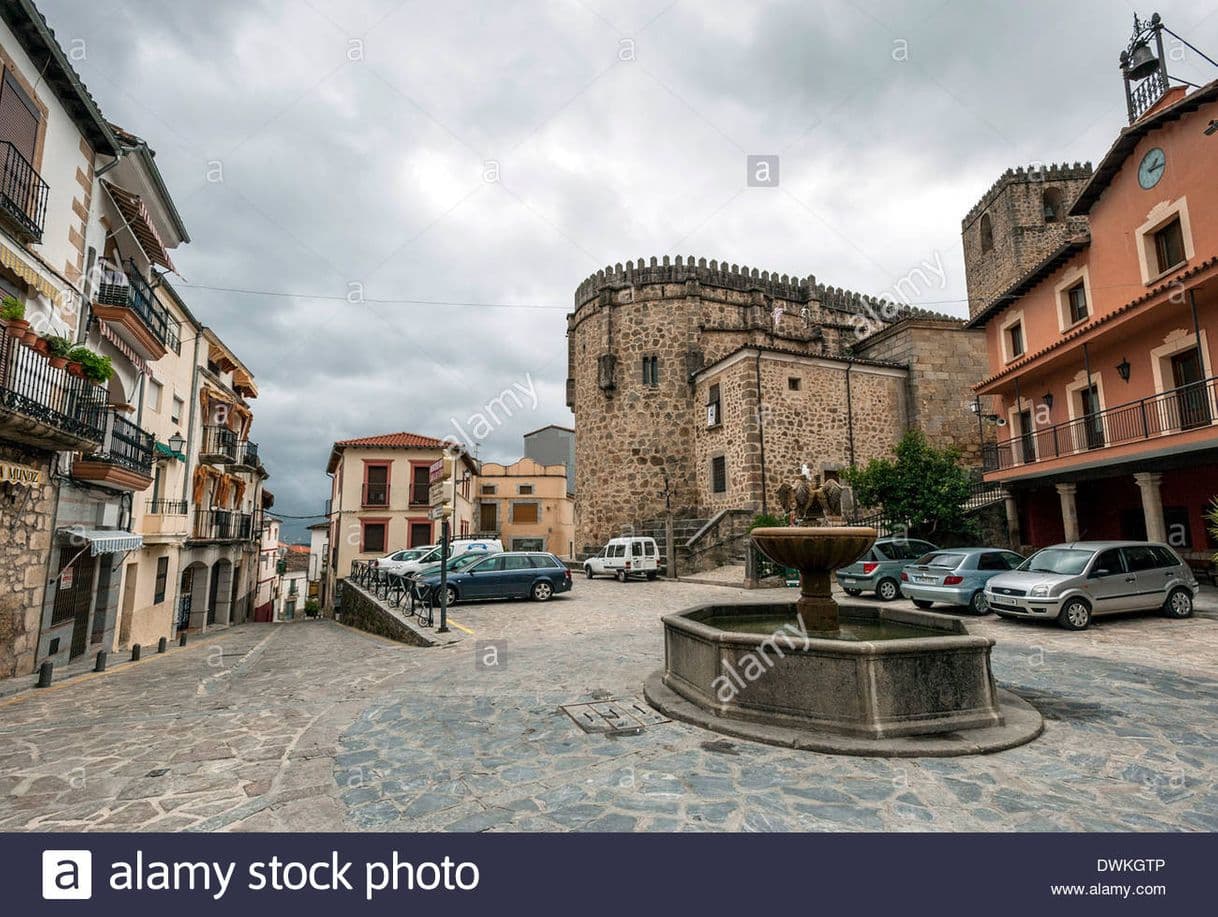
(222, 525)
(246, 453)
(129, 289)
(23, 193)
(1187, 407)
(125, 444)
(375, 495)
(32, 387)
(158, 507)
(221, 442)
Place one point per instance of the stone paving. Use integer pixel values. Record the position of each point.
(312, 726)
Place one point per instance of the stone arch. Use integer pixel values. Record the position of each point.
(986, 233)
(1052, 205)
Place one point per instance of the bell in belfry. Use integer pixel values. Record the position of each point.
(1141, 63)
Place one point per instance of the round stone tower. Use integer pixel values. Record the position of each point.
(636, 335)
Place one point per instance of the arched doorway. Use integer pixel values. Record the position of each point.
(219, 596)
(192, 597)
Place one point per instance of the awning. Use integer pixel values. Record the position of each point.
(140, 221)
(165, 452)
(18, 265)
(103, 541)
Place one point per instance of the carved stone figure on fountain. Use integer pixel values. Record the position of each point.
(809, 502)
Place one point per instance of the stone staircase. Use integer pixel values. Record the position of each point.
(703, 542)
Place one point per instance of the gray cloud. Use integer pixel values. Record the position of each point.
(369, 171)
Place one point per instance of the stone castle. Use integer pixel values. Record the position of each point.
(706, 386)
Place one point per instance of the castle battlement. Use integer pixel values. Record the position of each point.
(789, 287)
(1046, 172)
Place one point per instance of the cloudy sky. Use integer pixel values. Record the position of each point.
(422, 185)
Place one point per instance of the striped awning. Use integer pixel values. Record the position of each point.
(102, 541)
(124, 348)
(140, 221)
(19, 266)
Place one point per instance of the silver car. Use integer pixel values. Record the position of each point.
(1072, 582)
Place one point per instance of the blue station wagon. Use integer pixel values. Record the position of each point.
(509, 575)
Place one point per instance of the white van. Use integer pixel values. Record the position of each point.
(431, 555)
(625, 557)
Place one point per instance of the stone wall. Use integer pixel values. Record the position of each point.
(1022, 237)
(944, 362)
(365, 612)
(26, 521)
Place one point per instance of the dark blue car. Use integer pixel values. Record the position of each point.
(510, 575)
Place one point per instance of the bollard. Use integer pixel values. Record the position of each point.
(100, 665)
(45, 672)
(182, 639)
(162, 645)
(135, 652)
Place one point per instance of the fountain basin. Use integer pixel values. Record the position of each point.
(888, 673)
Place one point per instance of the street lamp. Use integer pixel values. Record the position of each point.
(177, 443)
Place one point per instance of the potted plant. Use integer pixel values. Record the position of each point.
(12, 310)
(93, 366)
(58, 349)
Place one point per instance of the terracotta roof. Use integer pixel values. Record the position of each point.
(1078, 332)
(395, 441)
(1128, 140)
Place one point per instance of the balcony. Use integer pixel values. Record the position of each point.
(219, 446)
(45, 407)
(124, 460)
(375, 495)
(126, 302)
(222, 525)
(23, 194)
(160, 507)
(1172, 413)
(246, 456)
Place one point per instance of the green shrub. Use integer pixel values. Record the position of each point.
(12, 309)
(97, 368)
(58, 346)
(767, 521)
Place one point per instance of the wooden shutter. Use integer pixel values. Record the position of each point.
(19, 118)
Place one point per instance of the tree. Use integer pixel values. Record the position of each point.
(922, 486)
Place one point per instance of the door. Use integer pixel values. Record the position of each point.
(1093, 421)
(1150, 576)
(101, 600)
(420, 534)
(1111, 587)
(74, 595)
(517, 576)
(488, 517)
(212, 594)
(129, 582)
(184, 596)
(1192, 399)
(484, 579)
(1027, 440)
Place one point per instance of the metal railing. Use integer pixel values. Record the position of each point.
(246, 454)
(1177, 410)
(127, 445)
(222, 525)
(129, 289)
(219, 441)
(32, 387)
(394, 589)
(23, 193)
(375, 495)
(982, 494)
(157, 507)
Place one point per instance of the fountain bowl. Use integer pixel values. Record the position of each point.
(814, 547)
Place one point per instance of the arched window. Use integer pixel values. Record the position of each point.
(987, 233)
(1052, 202)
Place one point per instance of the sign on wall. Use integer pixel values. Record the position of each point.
(436, 471)
(23, 475)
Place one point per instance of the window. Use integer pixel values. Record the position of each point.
(525, 513)
(529, 544)
(178, 405)
(162, 575)
(992, 560)
(719, 474)
(155, 391)
(713, 415)
(19, 118)
(488, 490)
(1076, 301)
(1015, 340)
(376, 485)
(1093, 420)
(524, 489)
(1169, 246)
(373, 537)
(517, 562)
(1140, 558)
(420, 484)
(490, 564)
(1051, 202)
(1109, 562)
(1027, 438)
(793, 383)
(987, 233)
(651, 370)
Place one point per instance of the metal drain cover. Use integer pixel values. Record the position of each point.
(626, 717)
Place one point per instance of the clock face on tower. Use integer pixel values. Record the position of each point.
(1150, 170)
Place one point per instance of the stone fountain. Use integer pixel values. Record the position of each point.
(855, 679)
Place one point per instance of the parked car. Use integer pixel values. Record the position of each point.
(460, 562)
(879, 570)
(1071, 583)
(391, 563)
(956, 576)
(507, 575)
(456, 548)
(625, 557)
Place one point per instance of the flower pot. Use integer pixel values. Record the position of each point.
(30, 338)
(76, 369)
(17, 327)
(58, 362)
(42, 347)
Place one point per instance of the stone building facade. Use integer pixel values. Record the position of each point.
(1023, 219)
(797, 383)
(25, 539)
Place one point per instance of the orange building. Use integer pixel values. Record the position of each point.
(1101, 354)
